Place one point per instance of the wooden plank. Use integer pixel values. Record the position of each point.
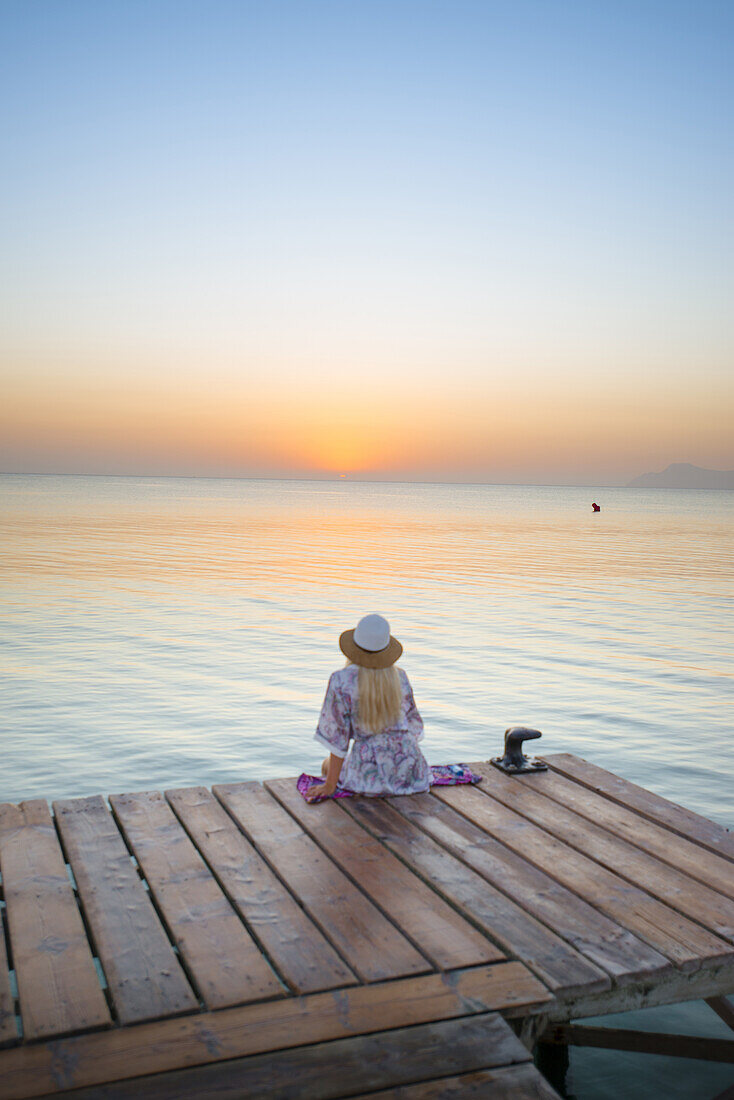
(342, 1068)
(143, 974)
(710, 980)
(555, 962)
(677, 890)
(675, 936)
(225, 962)
(713, 870)
(677, 818)
(187, 1041)
(375, 948)
(520, 1082)
(517, 1082)
(606, 943)
(644, 1042)
(297, 948)
(434, 927)
(8, 1028)
(58, 987)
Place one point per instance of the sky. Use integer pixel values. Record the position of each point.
(461, 241)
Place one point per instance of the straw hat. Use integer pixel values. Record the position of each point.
(371, 644)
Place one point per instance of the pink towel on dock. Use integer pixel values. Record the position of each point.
(444, 775)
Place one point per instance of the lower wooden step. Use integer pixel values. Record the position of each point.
(254, 1030)
(410, 1058)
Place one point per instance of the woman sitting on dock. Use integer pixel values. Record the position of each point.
(370, 702)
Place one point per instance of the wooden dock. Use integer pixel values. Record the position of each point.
(239, 942)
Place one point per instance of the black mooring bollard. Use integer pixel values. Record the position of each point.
(514, 762)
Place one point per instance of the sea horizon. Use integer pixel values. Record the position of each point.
(357, 479)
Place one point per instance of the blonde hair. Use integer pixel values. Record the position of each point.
(379, 698)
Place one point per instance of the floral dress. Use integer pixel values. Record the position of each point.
(389, 762)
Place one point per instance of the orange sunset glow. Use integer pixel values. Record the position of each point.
(477, 431)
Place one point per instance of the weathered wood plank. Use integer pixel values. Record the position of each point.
(603, 941)
(438, 931)
(341, 1068)
(123, 1053)
(297, 948)
(492, 808)
(555, 962)
(685, 855)
(376, 949)
(520, 1082)
(58, 987)
(662, 881)
(710, 980)
(8, 1029)
(143, 974)
(652, 806)
(222, 957)
(516, 1082)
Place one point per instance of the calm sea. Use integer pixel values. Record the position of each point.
(165, 632)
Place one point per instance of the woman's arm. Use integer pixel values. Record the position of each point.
(327, 788)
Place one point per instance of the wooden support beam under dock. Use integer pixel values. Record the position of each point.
(241, 941)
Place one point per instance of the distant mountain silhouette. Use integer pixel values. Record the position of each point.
(681, 475)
